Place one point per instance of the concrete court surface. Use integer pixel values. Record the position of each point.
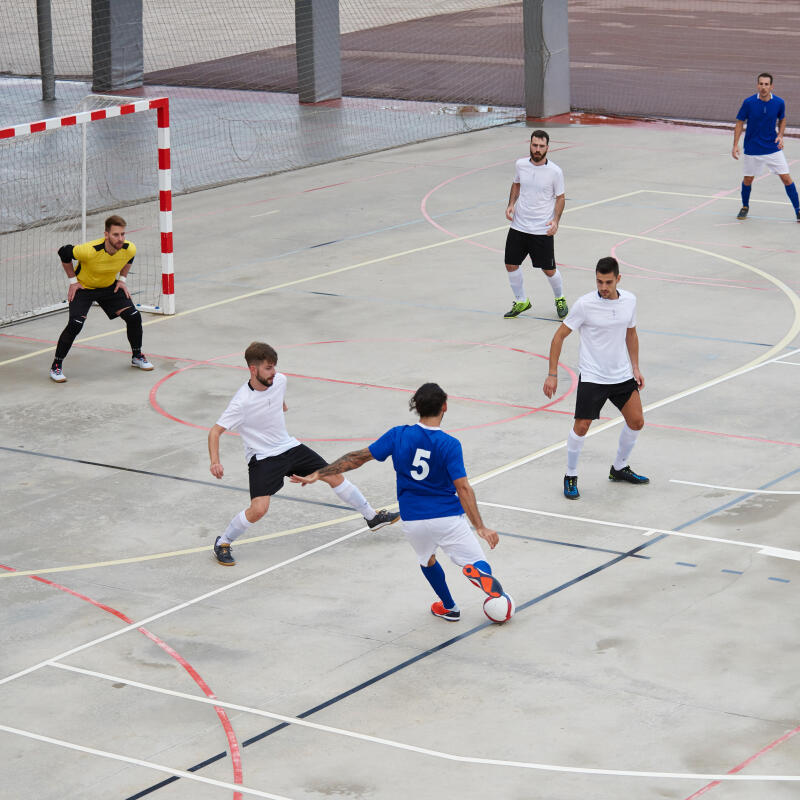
(655, 628)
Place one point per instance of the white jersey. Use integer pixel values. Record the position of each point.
(538, 188)
(603, 324)
(258, 417)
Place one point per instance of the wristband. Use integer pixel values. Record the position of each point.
(73, 280)
(552, 374)
(122, 278)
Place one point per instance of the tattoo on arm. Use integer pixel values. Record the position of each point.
(349, 461)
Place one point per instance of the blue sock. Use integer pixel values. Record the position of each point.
(483, 566)
(791, 190)
(746, 194)
(435, 577)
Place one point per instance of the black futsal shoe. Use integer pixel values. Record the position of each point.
(626, 474)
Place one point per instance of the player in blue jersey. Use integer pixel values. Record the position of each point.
(765, 115)
(434, 494)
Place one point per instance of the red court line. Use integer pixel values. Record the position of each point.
(233, 744)
(527, 410)
(739, 767)
(725, 435)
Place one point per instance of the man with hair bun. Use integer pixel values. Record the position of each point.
(257, 412)
(435, 497)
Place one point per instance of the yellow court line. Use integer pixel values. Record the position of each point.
(770, 353)
(712, 196)
(307, 279)
(188, 551)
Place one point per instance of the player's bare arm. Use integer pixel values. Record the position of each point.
(122, 280)
(213, 450)
(781, 129)
(466, 495)
(737, 133)
(558, 210)
(632, 343)
(345, 463)
(551, 381)
(513, 196)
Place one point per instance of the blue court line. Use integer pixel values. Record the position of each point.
(779, 580)
(736, 500)
(685, 564)
(448, 642)
(150, 473)
(568, 544)
(392, 670)
(733, 571)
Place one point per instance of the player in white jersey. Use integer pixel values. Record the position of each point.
(535, 205)
(609, 370)
(434, 494)
(256, 412)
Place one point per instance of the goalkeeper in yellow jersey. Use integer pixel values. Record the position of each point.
(100, 276)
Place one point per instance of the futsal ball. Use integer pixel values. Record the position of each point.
(499, 609)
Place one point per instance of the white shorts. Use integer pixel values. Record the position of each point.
(753, 166)
(452, 534)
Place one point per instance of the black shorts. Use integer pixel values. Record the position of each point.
(267, 474)
(110, 301)
(591, 397)
(538, 246)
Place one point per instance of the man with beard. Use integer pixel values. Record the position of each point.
(256, 412)
(535, 205)
(609, 370)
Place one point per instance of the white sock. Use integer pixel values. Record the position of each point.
(556, 284)
(238, 525)
(517, 285)
(351, 495)
(627, 439)
(574, 446)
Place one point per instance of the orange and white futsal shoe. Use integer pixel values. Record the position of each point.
(483, 580)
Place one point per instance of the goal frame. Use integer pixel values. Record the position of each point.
(161, 106)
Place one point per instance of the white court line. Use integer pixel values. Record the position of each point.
(594, 430)
(731, 488)
(265, 214)
(763, 549)
(789, 363)
(137, 762)
(180, 606)
(496, 762)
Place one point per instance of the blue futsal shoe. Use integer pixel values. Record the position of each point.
(571, 487)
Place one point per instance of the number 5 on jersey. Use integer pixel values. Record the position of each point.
(423, 467)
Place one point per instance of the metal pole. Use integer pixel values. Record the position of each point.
(83, 187)
(44, 22)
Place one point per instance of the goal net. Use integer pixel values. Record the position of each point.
(62, 177)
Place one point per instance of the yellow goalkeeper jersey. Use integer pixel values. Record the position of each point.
(96, 268)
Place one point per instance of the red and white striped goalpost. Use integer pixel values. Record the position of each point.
(161, 107)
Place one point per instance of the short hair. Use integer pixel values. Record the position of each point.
(258, 353)
(764, 75)
(428, 400)
(115, 219)
(606, 265)
(541, 135)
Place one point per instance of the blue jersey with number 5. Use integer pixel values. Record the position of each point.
(427, 461)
